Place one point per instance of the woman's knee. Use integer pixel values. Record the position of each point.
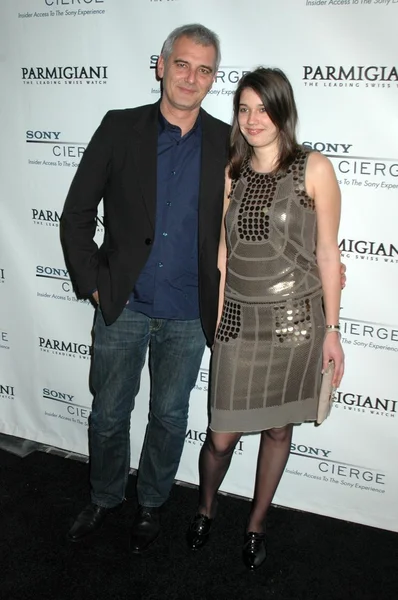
(221, 444)
(280, 434)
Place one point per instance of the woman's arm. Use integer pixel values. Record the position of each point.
(222, 249)
(322, 186)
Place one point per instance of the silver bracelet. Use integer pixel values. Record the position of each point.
(330, 328)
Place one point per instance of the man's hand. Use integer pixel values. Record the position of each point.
(96, 297)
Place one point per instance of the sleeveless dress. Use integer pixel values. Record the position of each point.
(267, 358)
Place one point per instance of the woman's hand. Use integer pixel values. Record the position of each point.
(332, 350)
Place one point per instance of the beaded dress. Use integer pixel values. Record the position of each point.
(266, 365)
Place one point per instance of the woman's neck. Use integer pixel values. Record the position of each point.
(265, 159)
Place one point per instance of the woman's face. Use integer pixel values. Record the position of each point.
(254, 122)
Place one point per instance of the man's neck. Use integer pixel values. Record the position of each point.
(184, 119)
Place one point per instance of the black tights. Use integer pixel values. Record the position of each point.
(215, 458)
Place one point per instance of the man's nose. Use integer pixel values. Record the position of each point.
(190, 76)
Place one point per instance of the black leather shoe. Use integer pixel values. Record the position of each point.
(90, 518)
(253, 551)
(199, 531)
(145, 529)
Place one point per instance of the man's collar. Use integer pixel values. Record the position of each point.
(164, 123)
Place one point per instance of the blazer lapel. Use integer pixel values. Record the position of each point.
(213, 162)
(144, 149)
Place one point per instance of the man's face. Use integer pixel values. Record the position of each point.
(188, 74)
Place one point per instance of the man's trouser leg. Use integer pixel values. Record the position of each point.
(119, 355)
(176, 351)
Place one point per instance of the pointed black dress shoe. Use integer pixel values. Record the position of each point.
(145, 529)
(90, 518)
(199, 531)
(253, 551)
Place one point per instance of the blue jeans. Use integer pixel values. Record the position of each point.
(176, 350)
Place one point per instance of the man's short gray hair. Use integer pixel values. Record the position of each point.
(196, 32)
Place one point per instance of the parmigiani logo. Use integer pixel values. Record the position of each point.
(69, 75)
(352, 73)
(60, 346)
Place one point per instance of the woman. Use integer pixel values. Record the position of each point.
(279, 298)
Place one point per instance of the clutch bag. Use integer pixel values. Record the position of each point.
(326, 394)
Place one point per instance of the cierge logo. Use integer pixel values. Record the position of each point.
(71, 2)
(369, 335)
(327, 469)
(53, 8)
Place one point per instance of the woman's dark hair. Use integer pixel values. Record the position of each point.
(277, 96)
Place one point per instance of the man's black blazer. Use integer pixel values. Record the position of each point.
(119, 166)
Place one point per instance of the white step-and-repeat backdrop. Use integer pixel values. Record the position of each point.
(64, 63)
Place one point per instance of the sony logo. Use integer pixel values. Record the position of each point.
(47, 393)
(329, 147)
(309, 450)
(42, 271)
(42, 135)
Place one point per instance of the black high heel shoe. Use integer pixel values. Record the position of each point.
(254, 552)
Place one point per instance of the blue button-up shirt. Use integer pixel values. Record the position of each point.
(167, 287)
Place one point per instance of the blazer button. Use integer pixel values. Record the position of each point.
(148, 241)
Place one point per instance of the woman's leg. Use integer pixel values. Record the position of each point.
(272, 458)
(214, 460)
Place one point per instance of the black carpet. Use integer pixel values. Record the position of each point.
(310, 557)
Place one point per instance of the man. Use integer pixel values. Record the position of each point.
(160, 172)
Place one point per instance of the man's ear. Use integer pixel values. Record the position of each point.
(160, 67)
